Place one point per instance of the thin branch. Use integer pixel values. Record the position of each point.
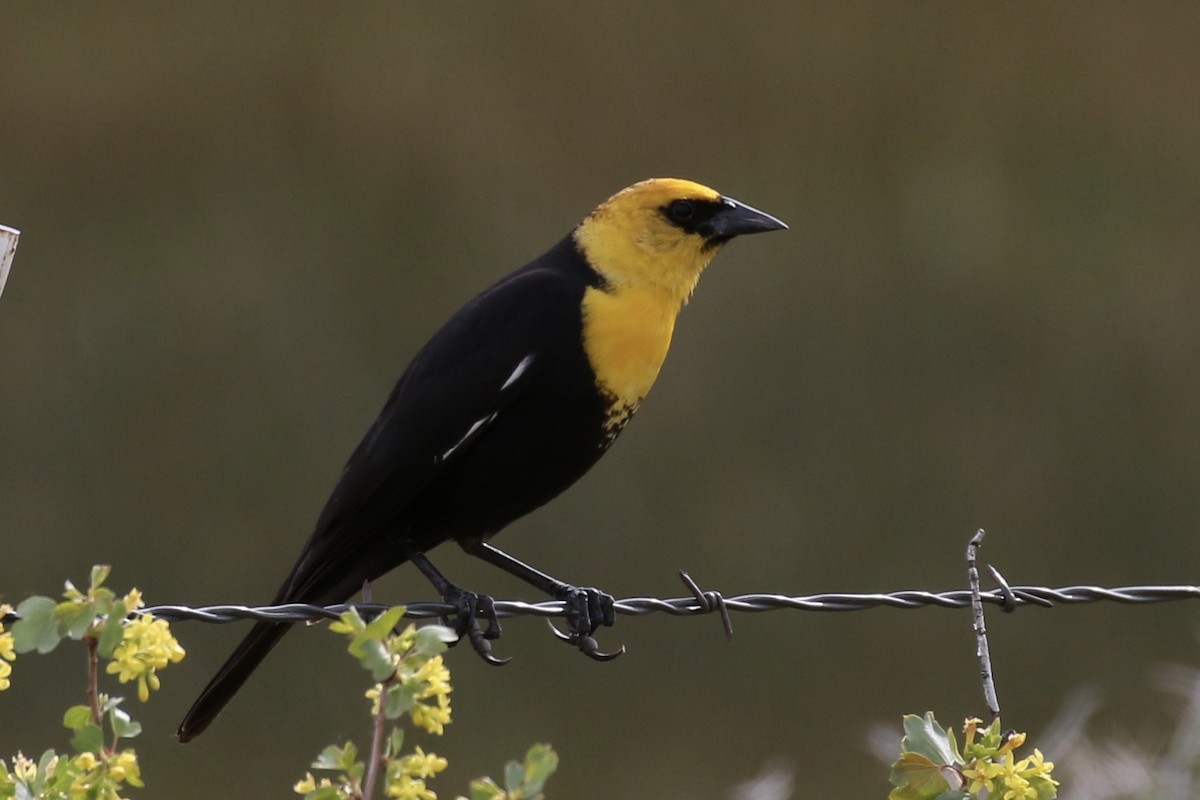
(981, 642)
(376, 757)
(93, 679)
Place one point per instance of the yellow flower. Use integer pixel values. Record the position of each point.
(983, 775)
(432, 718)
(373, 694)
(434, 714)
(969, 728)
(422, 765)
(1014, 741)
(133, 600)
(7, 649)
(146, 646)
(24, 768)
(434, 673)
(1019, 789)
(309, 784)
(90, 774)
(408, 788)
(124, 768)
(1036, 764)
(403, 642)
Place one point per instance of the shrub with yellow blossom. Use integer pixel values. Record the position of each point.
(138, 646)
(146, 647)
(411, 679)
(410, 674)
(931, 766)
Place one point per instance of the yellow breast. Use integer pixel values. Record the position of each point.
(626, 334)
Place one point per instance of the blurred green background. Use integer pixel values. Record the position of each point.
(241, 220)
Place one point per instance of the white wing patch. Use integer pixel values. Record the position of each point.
(476, 426)
(482, 423)
(518, 372)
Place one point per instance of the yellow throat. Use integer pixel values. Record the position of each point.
(650, 268)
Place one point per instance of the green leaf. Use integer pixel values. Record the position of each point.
(382, 626)
(925, 736)
(918, 778)
(100, 574)
(37, 629)
(123, 726)
(484, 789)
(398, 700)
(349, 757)
(88, 739)
(433, 640)
(76, 717)
(914, 769)
(44, 769)
(74, 619)
(374, 657)
(514, 777)
(111, 632)
(330, 758)
(540, 763)
(396, 742)
(349, 622)
(1045, 789)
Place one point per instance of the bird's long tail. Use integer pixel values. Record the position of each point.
(237, 668)
(320, 577)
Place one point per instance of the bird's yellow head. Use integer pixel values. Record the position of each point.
(649, 243)
(662, 233)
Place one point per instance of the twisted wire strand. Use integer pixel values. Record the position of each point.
(709, 602)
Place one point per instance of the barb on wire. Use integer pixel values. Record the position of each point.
(1010, 600)
(709, 602)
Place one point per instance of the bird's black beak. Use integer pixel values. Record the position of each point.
(738, 219)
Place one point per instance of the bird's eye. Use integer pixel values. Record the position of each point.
(681, 211)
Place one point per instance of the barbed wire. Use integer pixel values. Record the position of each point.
(708, 602)
(701, 602)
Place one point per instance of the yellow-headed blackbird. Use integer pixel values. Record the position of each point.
(514, 399)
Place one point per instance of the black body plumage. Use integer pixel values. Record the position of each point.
(508, 404)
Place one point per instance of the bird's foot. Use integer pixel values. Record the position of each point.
(470, 608)
(587, 610)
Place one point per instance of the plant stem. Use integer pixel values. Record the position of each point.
(981, 642)
(93, 678)
(376, 757)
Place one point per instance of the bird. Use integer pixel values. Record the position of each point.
(509, 403)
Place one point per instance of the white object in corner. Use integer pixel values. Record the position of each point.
(8, 249)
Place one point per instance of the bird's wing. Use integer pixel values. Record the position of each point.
(459, 384)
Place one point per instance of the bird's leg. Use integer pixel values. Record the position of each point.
(586, 608)
(469, 608)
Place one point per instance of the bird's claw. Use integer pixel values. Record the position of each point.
(566, 637)
(591, 648)
(469, 608)
(586, 610)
